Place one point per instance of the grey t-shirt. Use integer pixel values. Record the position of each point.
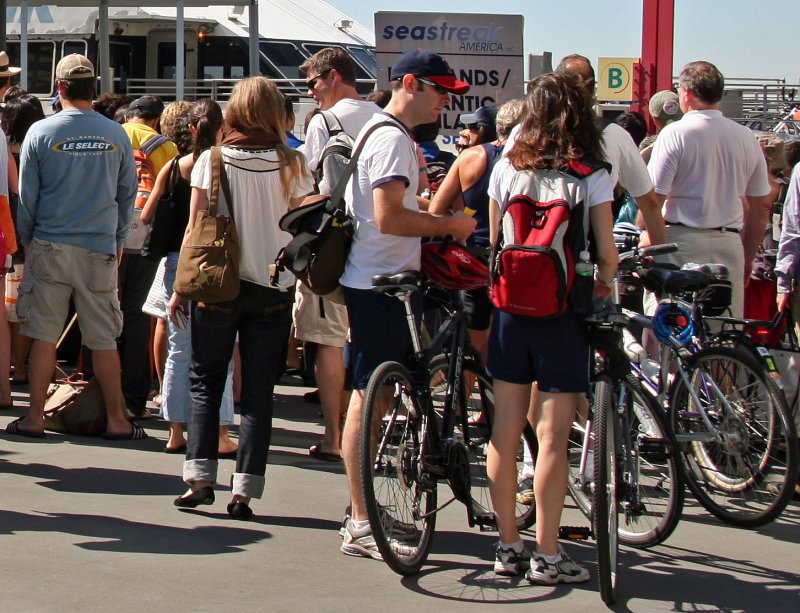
(77, 182)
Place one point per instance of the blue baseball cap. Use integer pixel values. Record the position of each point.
(428, 65)
(485, 116)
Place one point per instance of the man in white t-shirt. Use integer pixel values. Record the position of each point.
(381, 198)
(711, 176)
(331, 79)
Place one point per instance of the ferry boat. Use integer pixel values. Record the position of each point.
(142, 45)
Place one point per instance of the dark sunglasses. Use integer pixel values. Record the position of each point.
(472, 126)
(312, 83)
(439, 89)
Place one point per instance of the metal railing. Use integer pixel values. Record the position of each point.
(216, 89)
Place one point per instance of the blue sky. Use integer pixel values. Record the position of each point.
(744, 39)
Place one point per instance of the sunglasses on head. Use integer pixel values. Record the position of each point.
(439, 89)
(312, 83)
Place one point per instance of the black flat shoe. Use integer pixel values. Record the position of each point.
(240, 510)
(205, 495)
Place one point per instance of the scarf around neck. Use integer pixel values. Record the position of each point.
(252, 139)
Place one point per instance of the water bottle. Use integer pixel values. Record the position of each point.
(584, 266)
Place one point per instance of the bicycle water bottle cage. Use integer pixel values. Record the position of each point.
(672, 324)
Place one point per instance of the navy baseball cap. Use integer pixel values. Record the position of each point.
(428, 65)
(483, 116)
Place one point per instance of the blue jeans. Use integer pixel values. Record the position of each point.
(262, 317)
(175, 398)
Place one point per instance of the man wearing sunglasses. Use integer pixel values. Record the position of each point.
(331, 82)
(381, 198)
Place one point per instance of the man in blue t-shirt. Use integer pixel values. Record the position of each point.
(77, 187)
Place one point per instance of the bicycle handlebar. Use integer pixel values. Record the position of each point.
(630, 260)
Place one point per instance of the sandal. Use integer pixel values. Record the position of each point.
(13, 428)
(137, 433)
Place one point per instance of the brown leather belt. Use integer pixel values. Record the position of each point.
(734, 230)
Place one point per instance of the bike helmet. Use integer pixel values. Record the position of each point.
(672, 324)
(451, 265)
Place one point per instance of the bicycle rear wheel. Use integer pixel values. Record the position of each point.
(604, 510)
(478, 402)
(744, 471)
(400, 498)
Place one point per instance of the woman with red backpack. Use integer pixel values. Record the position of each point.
(557, 151)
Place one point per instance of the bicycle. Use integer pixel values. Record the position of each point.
(622, 471)
(413, 438)
(736, 439)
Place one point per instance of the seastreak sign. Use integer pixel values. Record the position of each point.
(480, 38)
(483, 50)
(84, 145)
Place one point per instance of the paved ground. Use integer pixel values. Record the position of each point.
(88, 525)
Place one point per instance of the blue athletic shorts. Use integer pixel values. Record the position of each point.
(378, 332)
(553, 352)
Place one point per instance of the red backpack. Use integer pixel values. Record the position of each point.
(544, 225)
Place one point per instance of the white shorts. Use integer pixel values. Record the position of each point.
(318, 320)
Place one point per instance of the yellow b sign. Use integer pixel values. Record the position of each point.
(615, 78)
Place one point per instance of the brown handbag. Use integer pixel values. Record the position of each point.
(208, 266)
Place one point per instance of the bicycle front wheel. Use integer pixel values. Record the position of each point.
(604, 510)
(744, 468)
(478, 403)
(651, 492)
(400, 498)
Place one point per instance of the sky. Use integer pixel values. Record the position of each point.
(745, 39)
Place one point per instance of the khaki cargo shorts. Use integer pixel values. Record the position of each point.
(318, 320)
(54, 272)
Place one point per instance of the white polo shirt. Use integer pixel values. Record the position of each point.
(705, 164)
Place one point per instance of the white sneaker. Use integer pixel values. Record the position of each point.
(360, 543)
(563, 571)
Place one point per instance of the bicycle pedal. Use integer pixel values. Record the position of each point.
(486, 522)
(653, 449)
(575, 533)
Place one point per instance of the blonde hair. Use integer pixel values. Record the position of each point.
(256, 105)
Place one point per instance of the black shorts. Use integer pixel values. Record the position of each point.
(477, 308)
(378, 332)
(552, 351)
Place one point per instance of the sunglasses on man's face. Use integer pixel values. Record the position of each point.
(472, 126)
(439, 89)
(312, 83)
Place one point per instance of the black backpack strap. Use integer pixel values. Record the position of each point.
(153, 143)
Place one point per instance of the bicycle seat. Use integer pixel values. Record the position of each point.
(664, 281)
(406, 281)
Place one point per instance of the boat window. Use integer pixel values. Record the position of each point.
(68, 47)
(284, 57)
(361, 72)
(222, 58)
(365, 59)
(41, 64)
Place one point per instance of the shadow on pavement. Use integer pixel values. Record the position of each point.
(682, 579)
(123, 536)
(96, 479)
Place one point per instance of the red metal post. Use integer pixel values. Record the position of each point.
(655, 71)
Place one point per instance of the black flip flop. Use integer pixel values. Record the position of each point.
(315, 451)
(176, 450)
(137, 434)
(13, 428)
